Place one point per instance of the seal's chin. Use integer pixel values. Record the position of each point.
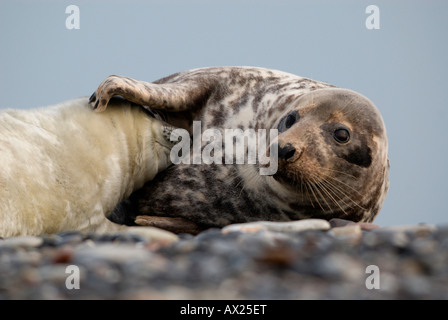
(288, 176)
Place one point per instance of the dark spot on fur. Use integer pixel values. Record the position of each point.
(219, 115)
(130, 93)
(242, 101)
(359, 155)
(111, 91)
(218, 94)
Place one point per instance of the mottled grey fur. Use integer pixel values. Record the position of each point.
(325, 180)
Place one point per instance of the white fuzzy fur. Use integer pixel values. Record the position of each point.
(66, 167)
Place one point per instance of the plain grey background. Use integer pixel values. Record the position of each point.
(402, 67)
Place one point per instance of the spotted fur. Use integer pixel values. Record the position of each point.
(323, 178)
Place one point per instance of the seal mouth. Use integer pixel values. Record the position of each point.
(288, 173)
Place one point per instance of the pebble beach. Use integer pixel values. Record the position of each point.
(307, 259)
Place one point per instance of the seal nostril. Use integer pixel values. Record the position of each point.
(290, 154)
(286, 152)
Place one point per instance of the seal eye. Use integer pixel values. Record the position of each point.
(288, 121)
(341, 135)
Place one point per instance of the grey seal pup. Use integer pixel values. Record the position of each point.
(65, 167)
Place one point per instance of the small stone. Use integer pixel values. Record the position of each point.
(249, 227)
(420, 230)
(117, 253)
(63, 255)
(30, 276)
(339, 266)
(368, 226)
(152, 234)
(52, 240)
(289, 226)
(281, 256)
(387, 237)
(70, 238)
(350, 233)
(336, 222)
(22, 241)
(349, 230)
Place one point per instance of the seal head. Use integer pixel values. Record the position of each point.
(332, 149)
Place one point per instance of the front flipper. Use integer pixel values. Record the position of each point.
(177, 96)
(175, 225)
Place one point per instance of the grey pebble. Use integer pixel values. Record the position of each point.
(289, 226)
(114, 253)
(23, 241)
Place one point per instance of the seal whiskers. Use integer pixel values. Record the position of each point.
(335, 190)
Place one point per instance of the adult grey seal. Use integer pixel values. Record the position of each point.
(65, 167)
(332, 148)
